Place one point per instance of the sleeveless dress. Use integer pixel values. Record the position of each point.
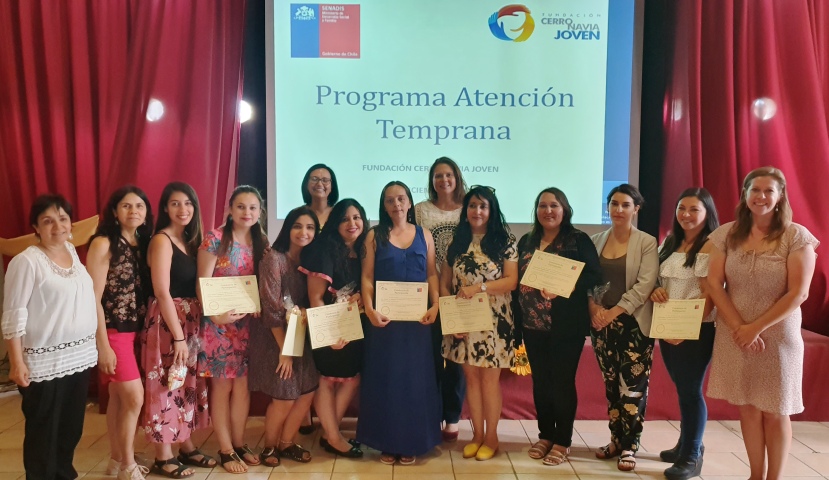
(399, 401)
(171, 416)
(771, 380)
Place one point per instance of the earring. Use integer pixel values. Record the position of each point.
(71, 236)
(777, 208)
(116, 222)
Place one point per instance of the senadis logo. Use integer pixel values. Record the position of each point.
(520, 34)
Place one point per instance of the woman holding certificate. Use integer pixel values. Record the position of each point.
(289, 381)
(440, 215)
(766, 262)
(232, 250)
(555, 327)
(332, 264)
(621, 320)
(399, 402)
(173, 320)
(482, 259)
(117, 263)
(683, 266)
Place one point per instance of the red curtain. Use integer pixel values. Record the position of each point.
(727, 57)
(75, 82)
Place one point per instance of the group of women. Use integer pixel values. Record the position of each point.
(142, 282)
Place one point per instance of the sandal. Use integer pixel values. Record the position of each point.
(269, 457)
(627, 462)
(225, 458)
(555, 457)
(540, 449)
(611, 450)
(387, 458)
(406, 460)
(188, 458)
(158, 468)
(245, 452)
(295, 452)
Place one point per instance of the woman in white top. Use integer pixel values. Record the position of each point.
(683, 259)
(440, 214)
(49, 324)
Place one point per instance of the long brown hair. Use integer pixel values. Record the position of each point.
(258, 238)
(460, 183)
(781, 219)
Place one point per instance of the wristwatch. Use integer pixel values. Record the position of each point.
(483, 287)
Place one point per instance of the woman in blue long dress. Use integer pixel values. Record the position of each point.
(399, 400)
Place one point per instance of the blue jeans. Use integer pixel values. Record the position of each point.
(686, 364)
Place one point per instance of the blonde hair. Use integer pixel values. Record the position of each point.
(781, 219)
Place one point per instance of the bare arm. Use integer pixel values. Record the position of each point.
(97, 264)
(367, 282)
(716, 291)
(800, 265)
(432, 279)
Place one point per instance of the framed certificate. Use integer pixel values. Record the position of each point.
(222, 294)
(677, 319)
(464, 315)
(554, 273)
(330, 323)
(402, 300)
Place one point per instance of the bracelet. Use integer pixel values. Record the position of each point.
(178, 340)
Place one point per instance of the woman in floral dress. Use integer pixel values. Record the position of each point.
(173, 318)
(233, 250)
(482, 258)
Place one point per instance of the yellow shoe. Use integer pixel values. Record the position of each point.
(470, 450)
(485, 453)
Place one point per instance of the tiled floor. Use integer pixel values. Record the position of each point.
(724, 454)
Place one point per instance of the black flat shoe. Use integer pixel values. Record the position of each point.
(684, 468)
(353, 452)
(307, 429)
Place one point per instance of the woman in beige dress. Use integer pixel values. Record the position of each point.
(766, 263)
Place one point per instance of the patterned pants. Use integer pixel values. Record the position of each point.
(625, 356)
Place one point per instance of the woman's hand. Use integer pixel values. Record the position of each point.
(459, 336)
(430, 316)
(19, 374)
(377, 319)
(106, 360)
(548, 295)
(341, 343)
(597, 319)
(229, 316)
(659, 295)
(673, 341)
(356, 298)
(285, 367)
(468, 291)
(180, 352)
(746, 335)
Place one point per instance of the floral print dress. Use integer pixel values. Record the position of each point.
(224, 348)
(492, 348)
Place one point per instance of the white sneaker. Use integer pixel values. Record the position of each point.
(133, 472)
(113, 467)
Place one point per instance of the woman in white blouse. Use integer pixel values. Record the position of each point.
(49, 324)
(683, 259)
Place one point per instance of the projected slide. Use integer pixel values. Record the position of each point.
(522, 96)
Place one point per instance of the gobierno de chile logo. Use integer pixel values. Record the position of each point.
(496, 25)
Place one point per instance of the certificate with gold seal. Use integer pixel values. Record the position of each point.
(330, 323)
(402, 300)
(677, 319)
(552, 272)
(222, 294)
(464, 315)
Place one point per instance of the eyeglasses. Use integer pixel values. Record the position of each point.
(322, 180)
(491, 189)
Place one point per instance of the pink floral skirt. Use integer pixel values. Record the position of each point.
(170, 416)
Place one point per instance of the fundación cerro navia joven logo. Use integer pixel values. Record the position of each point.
(496, 24)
